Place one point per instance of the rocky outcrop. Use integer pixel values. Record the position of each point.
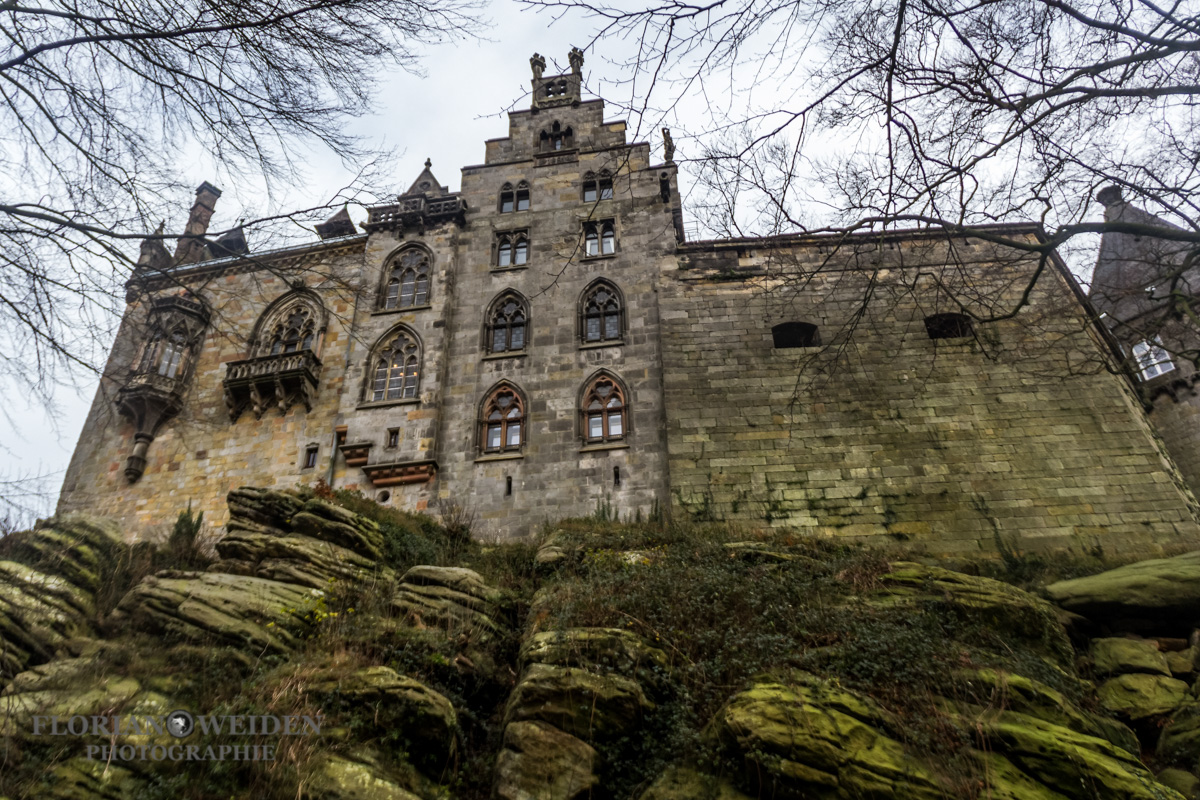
(49, 580)
(540, 762)
(1164, 589)
(279, 536)
(450, 598)
(809, 737)
(253, 613)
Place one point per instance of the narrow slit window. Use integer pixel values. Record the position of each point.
(393, 437)
(310, 457)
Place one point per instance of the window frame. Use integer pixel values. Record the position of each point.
(598, 184)
(603, 316)
(503, 424)
(395, 273)
(511, 246)
(602, 234)
(383, 375)
(1144, 366)
(605, 414)
(490, 327)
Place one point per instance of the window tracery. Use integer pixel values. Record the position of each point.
(599, 238)
(507, 323)
(514, 199)
(603, 410)
(601, 314)
(512, 250)
(556, 137)
(396, 368)
(501, 421)
(407, 283)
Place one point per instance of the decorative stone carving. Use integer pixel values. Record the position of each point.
(668, 146)
(576, 59)
(538, 63)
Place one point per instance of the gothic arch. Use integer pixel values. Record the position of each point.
(393, 368)
(506, 323)
(407, 279)
(503, 420)
(601, 313)
(294, 322)
(603, 404)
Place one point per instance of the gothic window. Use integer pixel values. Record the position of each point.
(507, 324)
(296, 332)
(557, 138)
(948, 326)
(166, 353)
(599, 238)
(597, 187)
(795, 334)
(601, 314)
(407, 281)
(512, 250)
(501, 422)
(396, 368)
(1152, 360)
(514, 199)
(603, 411)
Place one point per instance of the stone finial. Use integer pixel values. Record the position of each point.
(668, 146)
(576, 59)
(428, 163)
(538, 64)
(1110, 195)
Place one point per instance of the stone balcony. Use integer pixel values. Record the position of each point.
(279, 381)
(416, 211)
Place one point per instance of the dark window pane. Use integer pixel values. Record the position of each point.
(506, 203)
(612, 326)
(606, 190)
(498, 340)
(522, 254)
(522, 200)
(422, 290)
(393, 294)
(589, 193)
(518, 337)
(505, 254)
(593, 329)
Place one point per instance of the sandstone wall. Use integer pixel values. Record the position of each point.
(1016, 434)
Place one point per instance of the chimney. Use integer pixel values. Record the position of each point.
(191, 244)
(1110, 196)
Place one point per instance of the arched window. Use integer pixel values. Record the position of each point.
(557, 137)
(407, 283)
(795, 334)
(294, 333)
(291, 324)
(512, 250)
(948, 326)
(397, 367)
(514, 199)
(603, 411)
(507, 323)
(501, 421)
(601, 314)
(597, 187)
(599, 238)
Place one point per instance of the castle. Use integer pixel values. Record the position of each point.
(546, 343)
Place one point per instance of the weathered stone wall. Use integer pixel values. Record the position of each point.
(200, 455)
(1016, 434)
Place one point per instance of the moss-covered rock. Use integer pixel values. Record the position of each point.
(292, 558)
(329, 523)
(1015, 613)
(577, 701)
(1164, 589)
(1007, 691)
(254, 613)
(602, 650)
(1138, 696)
(81, 779)
(1179, 742)
(685, 783)
(540, 762)
(1118, 656)
(338, 778)
(451, 598)
(1181, 781)
(1182, 663)
(379, 702)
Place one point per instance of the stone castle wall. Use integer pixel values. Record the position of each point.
(1016, 433)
